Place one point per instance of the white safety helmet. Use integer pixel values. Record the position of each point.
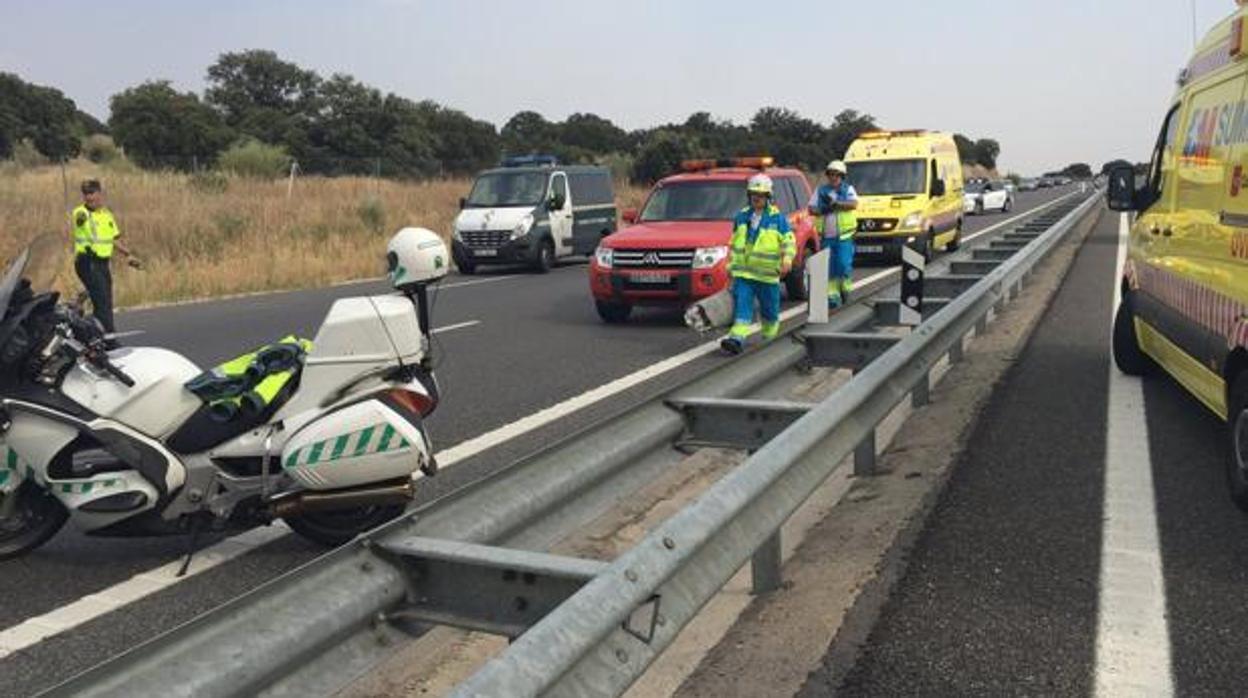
(415, 256)
(836, 166)
(759, 184)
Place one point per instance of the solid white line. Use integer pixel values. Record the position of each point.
(92, 606)
(1132, 637)
(457, 326)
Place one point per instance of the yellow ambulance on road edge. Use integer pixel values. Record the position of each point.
(909, 184)
(1185, 282)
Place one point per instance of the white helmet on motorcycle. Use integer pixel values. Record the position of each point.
(415, 256)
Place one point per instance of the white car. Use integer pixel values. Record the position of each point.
(978, 197)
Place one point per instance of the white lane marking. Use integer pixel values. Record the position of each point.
(94, 605)
(456, 326)
(475, 282)
(1132, 636)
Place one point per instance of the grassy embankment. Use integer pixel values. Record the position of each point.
(210, 235)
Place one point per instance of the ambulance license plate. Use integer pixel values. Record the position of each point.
(871, 249)
(651, 278)
(485, 253)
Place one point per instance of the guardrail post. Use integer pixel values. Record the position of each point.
(955, 351)
(981, 326)
(864, 456)
(922, 393)
(765, 565)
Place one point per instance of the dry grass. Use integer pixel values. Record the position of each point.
(212, 236)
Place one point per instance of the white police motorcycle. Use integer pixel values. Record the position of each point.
(115, 440)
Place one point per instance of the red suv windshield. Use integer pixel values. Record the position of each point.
(695, 201)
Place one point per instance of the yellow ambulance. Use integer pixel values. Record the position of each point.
(909, 184)
(1185, 281)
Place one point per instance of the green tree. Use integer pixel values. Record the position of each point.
(660, 157)
(262, 96)
(161, 127)
(42, 115)
(1078, 170)
(592, 133)
(846, 126)
(461, 144)
(966, 148)
(986, 152)
(528, 132)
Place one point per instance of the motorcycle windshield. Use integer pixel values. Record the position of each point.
(38, 263)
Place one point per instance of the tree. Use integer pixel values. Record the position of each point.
(461, 144)
(986, 152)
(846, 126)
(791, 138)
(660, 157)
(592, 133)
(42, 115)
(966, 148)
(159, 126)
(262, 96)
(528, 132)
(1078, 170)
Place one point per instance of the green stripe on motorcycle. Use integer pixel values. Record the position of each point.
(365, 436)
(340, 445)
(386, 435)
(293, 459)
(315, 455)
(11, 459)
(4, 476)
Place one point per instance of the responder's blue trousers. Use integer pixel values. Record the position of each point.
(744, 291)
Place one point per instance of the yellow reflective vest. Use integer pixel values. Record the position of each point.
(773, 247)
(94, 230)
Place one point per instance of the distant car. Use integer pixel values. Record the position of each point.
(1044, 183)
(1029, 184)
(986, 196)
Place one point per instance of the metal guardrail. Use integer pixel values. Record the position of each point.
(584, 627)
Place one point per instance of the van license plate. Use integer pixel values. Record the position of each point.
(871, 249)
(485, 253)
(651, 278)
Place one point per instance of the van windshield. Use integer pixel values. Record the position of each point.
(507, 189)
(695, 201)
(886, 177)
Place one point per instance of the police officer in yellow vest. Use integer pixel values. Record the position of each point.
(762, 252)
(95, 239)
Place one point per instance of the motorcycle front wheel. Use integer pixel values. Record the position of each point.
(334, 528)
(29, 516)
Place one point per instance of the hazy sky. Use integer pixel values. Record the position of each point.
(1055, 81)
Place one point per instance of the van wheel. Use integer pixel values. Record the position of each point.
(545, 257)
(1237, 442)
(956, 242)
(1128, 356)
(979, 207)
(797, 283)
(613, 313)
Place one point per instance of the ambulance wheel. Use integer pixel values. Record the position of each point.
(613, 313)
(334, 528)
(1128, 355)
(545, 257)
(797, 283)
(956, 242)
(1237, 442)
(28, 519)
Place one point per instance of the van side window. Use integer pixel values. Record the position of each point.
(559, 187)
(1163, 152)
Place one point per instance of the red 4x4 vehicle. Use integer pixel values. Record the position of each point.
(675, 251)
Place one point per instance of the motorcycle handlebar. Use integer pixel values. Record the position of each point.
(101, 359)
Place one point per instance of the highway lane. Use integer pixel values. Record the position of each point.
(1011, 590)
(537, 341)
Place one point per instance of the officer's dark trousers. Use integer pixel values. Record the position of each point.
(98, 278)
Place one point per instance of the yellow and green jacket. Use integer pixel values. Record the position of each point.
(94, 231)
(759, 253)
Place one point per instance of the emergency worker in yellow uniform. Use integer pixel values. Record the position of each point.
(762, 253)
(95, 239)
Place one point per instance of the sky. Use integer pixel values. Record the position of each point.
(1054, 81)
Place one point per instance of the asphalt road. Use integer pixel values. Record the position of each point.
(1003, 589)
(535, 341)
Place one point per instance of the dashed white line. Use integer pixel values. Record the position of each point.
(1132, 635)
